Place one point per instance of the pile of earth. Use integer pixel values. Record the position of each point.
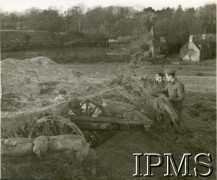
(34, 83)
(24, 77)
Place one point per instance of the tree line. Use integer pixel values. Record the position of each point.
(116, 21)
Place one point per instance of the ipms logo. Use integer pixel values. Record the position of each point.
(203, 169)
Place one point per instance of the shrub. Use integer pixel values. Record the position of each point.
(199, 74)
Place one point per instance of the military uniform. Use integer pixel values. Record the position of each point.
(176, 94)
(158, 121)
(158, 88)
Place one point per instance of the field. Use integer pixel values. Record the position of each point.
(115, 157)
(16, 36)
(68, 55)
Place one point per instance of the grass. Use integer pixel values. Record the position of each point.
(68, 55)
(61, 55)
(114, 68)
(199, 74)
(199, 84)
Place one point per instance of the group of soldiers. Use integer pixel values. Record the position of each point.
(172, 89)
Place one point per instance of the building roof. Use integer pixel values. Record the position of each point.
(201, 44)
(185, 49)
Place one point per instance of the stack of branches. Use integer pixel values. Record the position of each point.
(162, 108)
(138, 93)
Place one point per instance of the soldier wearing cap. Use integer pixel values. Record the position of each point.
(176, 92)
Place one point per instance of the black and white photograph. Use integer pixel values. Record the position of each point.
(108, 90)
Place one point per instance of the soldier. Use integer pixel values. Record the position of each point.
(75, 106)
(176, 93)
(159, 84)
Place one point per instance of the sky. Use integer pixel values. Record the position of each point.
(62, 5)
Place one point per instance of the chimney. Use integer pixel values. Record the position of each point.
(190, 38)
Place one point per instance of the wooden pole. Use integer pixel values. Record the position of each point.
(97, 126)
(77, 119)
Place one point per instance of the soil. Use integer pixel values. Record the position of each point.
(200, 137)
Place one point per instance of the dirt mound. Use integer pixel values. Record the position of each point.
(24, 77)
(34, 83)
